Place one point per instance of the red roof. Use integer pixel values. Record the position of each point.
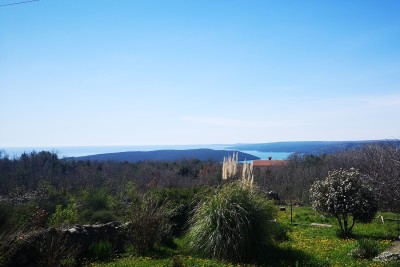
(268, 163)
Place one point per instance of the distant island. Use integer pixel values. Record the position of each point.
(166, 155)
(309, 147)
(201, 152)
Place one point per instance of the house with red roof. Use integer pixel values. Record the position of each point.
(269, 163)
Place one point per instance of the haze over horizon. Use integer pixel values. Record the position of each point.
(84, 73)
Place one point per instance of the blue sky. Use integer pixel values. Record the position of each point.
(105, 72)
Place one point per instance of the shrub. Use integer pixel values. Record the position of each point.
(103, 216)
(64, 216)
(280, 232)
(98, 199)
(10, 241)
(56, 249)
(343, 195)
(365, 249)
(182, 201)
(68, 262)
(101, 251)
(233, 224)
(177, 261)
(149, 223)
(17, 215)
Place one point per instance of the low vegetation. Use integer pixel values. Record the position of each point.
(233, 224)
(184, 214)
(305, 245)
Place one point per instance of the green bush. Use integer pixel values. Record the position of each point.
(365, 249)
(177, 261)
(64, 216)
(103, 216)
(182, 200)
(280, 232)
(98, 199)
(69, 262)
(234, 224)
(17, 215)
(101, 251)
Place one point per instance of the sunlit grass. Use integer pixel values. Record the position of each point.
(306, 246)
(323, 243)
(148, 261)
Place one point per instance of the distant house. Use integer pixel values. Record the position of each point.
(269, 163)
(267, 171)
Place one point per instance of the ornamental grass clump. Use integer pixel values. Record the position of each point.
(234, 224)
(229, 166)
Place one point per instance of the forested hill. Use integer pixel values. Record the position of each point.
(165, 155)
(310, 147)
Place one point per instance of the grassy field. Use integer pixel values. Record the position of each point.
(323, 245)
(305, 245)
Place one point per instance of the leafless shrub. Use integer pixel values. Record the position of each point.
(10, 240)
(148, 223)
(55, 249)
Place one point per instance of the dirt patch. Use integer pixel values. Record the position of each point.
(392, 254)
(395, 248)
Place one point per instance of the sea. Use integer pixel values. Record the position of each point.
(78, 151)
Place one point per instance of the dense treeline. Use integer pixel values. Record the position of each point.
(30, 170)
(39, 183)
(379, 163)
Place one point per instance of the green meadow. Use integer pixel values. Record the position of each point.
(304, 245)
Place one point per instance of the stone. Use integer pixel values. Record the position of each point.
(77, 237)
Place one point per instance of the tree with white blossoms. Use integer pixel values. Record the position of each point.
(344, 195)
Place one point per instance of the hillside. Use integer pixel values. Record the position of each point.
(165, 155)
(309, 147)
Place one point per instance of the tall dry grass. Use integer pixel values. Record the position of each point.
(230, 166)
(247, 175)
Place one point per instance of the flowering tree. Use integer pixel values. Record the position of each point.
(343, 195)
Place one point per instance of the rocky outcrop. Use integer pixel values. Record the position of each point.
(388, 257)
(87, 234)
(392, 254)
(53, 245)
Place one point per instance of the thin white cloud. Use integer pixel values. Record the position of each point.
(386, 101)
(249, 124)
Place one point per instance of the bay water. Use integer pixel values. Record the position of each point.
(78, 151)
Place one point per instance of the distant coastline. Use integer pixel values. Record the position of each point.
(80, 151)
(167, 155)
(276, 150)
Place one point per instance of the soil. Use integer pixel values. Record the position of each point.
(395, 248)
